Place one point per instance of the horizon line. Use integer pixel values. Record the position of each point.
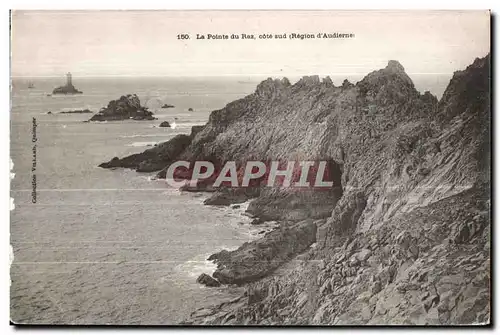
(219, 75)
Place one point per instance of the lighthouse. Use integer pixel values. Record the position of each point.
(68, 88)
(68, 80)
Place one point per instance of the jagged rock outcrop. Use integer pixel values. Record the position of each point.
(125, 108)
(66, 89)
(402, 238)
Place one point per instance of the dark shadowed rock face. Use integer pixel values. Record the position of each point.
(165, 124)
(66, 89)
(125, 108)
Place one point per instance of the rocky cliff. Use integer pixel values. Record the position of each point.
(126, 107)
(402, 238)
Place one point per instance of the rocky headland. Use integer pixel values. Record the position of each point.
(403, 237)
(125, 108)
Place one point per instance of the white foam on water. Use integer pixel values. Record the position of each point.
(70, 109)
(190, 124)
(12, 174)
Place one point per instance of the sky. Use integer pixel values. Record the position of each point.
(145, 43)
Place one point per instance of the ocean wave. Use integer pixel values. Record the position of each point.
(256, 232)
(148, 135)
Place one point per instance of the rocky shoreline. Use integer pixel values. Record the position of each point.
(403, 238)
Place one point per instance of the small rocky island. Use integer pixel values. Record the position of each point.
(77, 111)
(126, 107)
(167, 106)
(68, 88)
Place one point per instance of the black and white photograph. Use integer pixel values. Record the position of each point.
(250, 167)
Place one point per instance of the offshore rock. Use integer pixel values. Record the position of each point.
(407, 242)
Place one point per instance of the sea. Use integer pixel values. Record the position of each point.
(98, 246)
